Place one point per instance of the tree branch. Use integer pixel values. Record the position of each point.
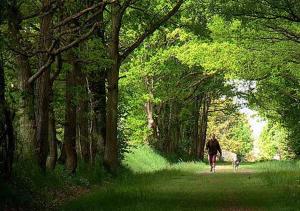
(33, 15)
(79, 14)
(293, 36)
(58, 51)
(125, 5)
(59, 64)
(41, 70)
(151, 30)
(70, 45)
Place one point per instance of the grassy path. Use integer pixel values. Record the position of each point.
(197, 189)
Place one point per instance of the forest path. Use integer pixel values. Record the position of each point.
(190, 189)
(228, 169)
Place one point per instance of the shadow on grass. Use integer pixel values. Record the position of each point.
(184, 190)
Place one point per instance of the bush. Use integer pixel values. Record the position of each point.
(143, 159)
(31, 189)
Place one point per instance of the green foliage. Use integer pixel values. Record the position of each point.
(144, 159)
(284, 107)
(267, 36)
(207, 45)
(274, 141)
(233, 131)
(165, 74)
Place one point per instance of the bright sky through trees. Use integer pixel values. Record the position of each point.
(257, 124)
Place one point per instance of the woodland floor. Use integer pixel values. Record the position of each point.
(247, 189)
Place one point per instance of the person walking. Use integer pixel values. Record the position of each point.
(213, 148)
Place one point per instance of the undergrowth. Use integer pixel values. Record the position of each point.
(143, 159)
(30, 189)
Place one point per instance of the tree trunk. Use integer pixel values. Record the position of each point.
(97, 93)
(203, 128)
(7, 139)
(165, 127)
(149, 108)
(169, 132)
(111, 145)
(27, 120)
(83, 121)
(62, 156)
(98, 105)
(162, 126)
(52, 135)
(27, 128)
(117, 12)
(53, 142)
(175, 127)
(197, 105)
(42, 88)
(42, 118)
(70, 116)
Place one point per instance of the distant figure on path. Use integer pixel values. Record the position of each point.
(213, 147)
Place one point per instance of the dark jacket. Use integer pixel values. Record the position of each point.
(213, 147)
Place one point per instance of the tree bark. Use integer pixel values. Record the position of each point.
(27, 128)
(196, 125)
(175, 127)
(83, 121)
(203, 128)
(149, 108)
(165, 127)
(7, 138)
(27, 120)
(169, 129)
(70, 116)
(53, 142)
(162, 121)
(111, 145)
(98, 105)
(52, 135)
(98, 90)
(43, 87)
(62, 156)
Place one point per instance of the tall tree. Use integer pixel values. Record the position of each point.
(24, 70)
(70, 113)
(83, 118)
(117, 13)
(7, 139)
(202, 124)
(43, 86)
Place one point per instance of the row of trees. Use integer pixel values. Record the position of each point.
(276, 69)
(49, 42)
(62, 63)
(187, 73)
(184, 95)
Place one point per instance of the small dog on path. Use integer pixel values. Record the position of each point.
(235, 163)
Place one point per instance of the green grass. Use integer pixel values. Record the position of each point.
(189, 186)
(144, 159)
(275, 166)
(192, 167)
(186, 190)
